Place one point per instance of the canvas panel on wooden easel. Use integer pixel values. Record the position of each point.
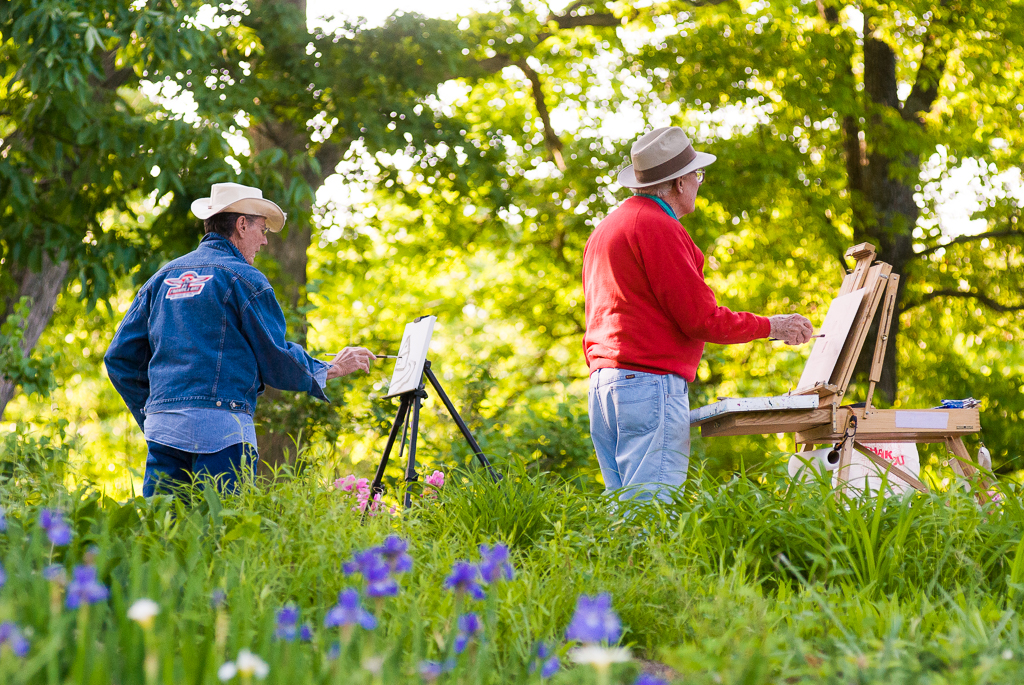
(826, 350)
(826, 372)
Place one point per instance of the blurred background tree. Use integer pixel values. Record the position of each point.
(457, 166)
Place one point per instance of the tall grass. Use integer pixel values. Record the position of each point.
(741, 579)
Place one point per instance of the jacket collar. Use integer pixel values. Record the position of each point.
(216, 241)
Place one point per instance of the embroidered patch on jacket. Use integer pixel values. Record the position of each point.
(189, 284)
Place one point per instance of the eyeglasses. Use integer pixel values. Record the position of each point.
(252, 219)
(699, 173)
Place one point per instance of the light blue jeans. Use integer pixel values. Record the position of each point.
(640, 425)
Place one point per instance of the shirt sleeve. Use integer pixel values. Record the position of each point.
(283, 365)
(127, 359)
(677, 281)
(320, 376)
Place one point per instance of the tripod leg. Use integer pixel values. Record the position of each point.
(377, 488)
(410, 469)
(460, 423)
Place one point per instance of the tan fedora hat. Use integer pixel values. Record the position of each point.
(234, 197)
(661, 155)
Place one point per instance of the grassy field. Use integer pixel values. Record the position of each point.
(744, 579)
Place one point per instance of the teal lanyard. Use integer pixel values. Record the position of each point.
(664, 205)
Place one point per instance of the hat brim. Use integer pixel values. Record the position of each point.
(274, 215)
(627, 177)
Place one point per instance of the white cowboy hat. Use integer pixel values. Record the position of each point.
(234, 197)
(661, 155)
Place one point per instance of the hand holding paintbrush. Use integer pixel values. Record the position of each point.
(792, 329)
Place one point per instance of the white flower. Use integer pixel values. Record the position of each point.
(373, 664)
(143, 611)
(250, 664)
(1007, 654)
(227, 671)
(599, 657)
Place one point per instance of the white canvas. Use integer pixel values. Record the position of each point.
(826, 351)
(411, 356)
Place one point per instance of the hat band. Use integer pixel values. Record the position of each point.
(656, 173)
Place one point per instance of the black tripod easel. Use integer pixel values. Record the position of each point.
(403, 418)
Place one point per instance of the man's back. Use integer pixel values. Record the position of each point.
(206, 332)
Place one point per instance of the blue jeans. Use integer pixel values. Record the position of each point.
(169, 467)
(640, 425)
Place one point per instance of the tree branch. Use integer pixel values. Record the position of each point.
(564, 21)
(551, 140)
(1008, 233)
(568, 20)
(934, 54)
(983, 299)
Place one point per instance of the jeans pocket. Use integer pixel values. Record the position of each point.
(637, 407)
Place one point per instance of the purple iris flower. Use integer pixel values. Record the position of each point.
(494, 563)
(464, 580)
(363, 562)
(379, 582)
(10, 634)
(287, 624)
(348, 612)
(57, 529)
(55, 573)
(306, 632)
(550, 667)
(432, 670)
(218, 598)
(594, 620)
(3, 577)
(549, 663)
(372, 566)
(394, 554)
(84, 588)
(648, 679)
(469, 625)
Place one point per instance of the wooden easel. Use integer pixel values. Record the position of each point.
(849, 426)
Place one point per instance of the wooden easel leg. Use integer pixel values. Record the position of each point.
(963, 466)
(843, 472)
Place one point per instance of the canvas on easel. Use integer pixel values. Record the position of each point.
(834, 330)
(412, 354)
(850, 427)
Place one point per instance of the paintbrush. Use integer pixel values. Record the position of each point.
(378, 356)
(820, 335)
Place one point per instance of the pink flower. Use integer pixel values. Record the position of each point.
(350, 483)
(363, 497)
(436, 479)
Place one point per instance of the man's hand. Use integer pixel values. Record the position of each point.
(350, 360)
(791, 329)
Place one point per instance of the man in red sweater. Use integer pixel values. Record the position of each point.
(649, 313)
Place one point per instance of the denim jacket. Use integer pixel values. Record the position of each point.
(206, 332)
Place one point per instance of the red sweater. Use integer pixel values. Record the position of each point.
(647, 305)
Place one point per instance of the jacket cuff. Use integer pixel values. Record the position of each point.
(320, 381)
(320, 376)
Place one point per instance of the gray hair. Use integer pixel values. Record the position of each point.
(224, 223)
(662, 190)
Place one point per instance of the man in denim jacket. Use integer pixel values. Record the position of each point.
(203, 338)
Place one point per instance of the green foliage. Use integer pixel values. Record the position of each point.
(81, 147)
(32, 372)
(742, 580)
(520, 509)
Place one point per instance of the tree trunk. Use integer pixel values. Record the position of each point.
(288, 249)
(891, 212)
(43, 288)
